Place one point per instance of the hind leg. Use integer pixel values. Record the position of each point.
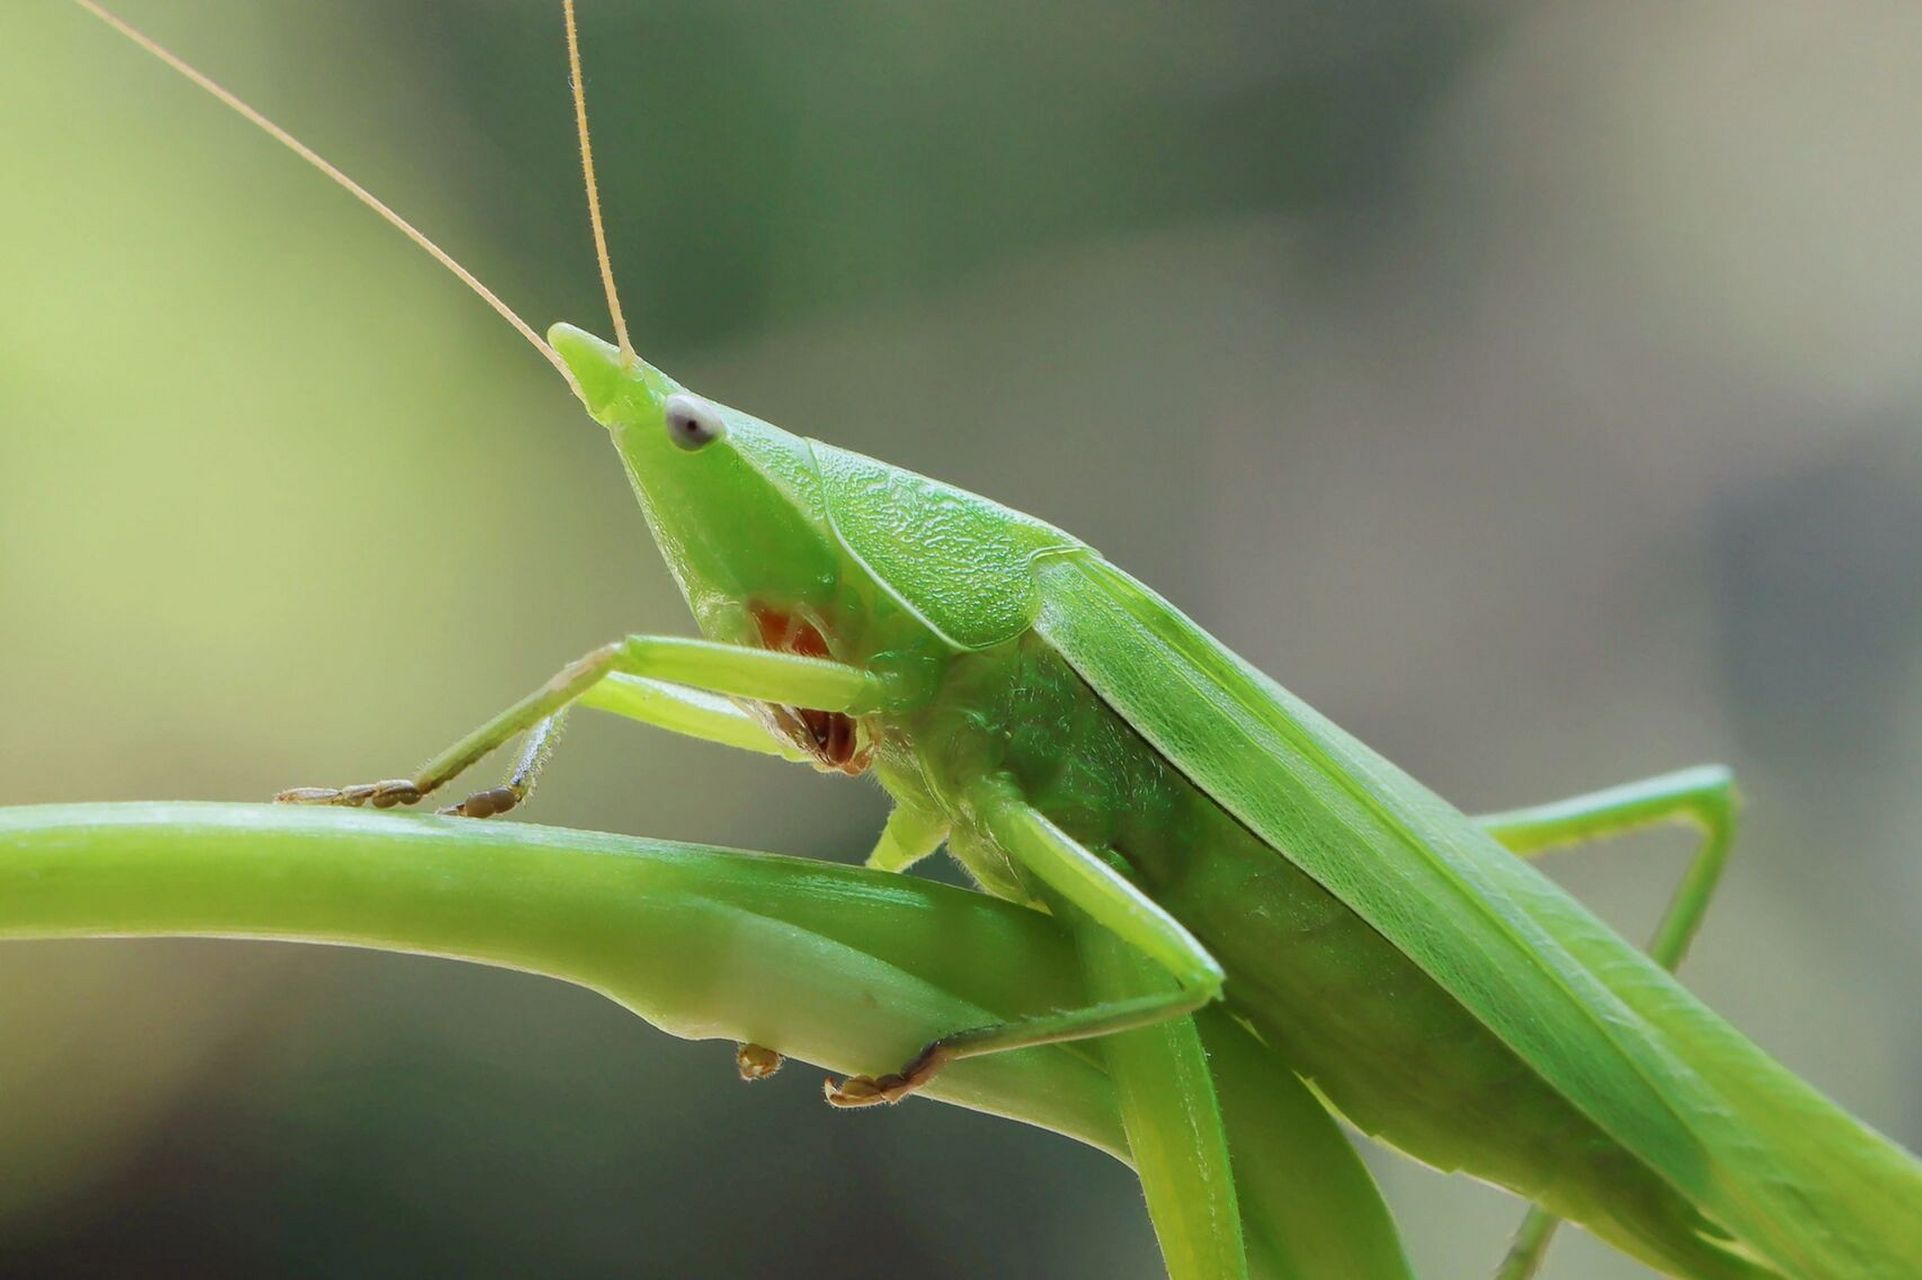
(1703, 797)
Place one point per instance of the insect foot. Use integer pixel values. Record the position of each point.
(490, 803)
(872, 1091)
(756, 1061)
(382, 795)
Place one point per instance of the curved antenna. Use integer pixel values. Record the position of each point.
(593, 188)
(359, 192)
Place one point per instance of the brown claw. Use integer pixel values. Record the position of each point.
(855, 1091)
(873, 1091)
(756, 1061)
(484, 804)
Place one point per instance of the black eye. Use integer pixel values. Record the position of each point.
(692, 422)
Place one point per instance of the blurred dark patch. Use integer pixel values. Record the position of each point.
(417, 1118)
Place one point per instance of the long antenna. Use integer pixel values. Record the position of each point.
(359, 192)
(593, 188)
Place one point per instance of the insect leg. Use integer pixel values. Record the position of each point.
(513, 793)
(909, 836)
(689, 712)
(1164, 1088)
(698, 664)
(1703, 797)
(566, 685)
(692, 713)
(1079, 875)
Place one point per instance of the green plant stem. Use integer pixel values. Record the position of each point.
(844, 967)
(833, 965)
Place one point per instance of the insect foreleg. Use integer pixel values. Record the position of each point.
(699, 665)
(1082, 877)
(689, 712)
(692, 713)
(1703, 797)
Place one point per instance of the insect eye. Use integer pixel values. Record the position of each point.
(692, 422)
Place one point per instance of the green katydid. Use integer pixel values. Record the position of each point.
(1081, 746)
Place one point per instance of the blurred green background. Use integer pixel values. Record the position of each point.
(1533, 387)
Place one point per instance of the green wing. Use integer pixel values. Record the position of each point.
(1794, 1177)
